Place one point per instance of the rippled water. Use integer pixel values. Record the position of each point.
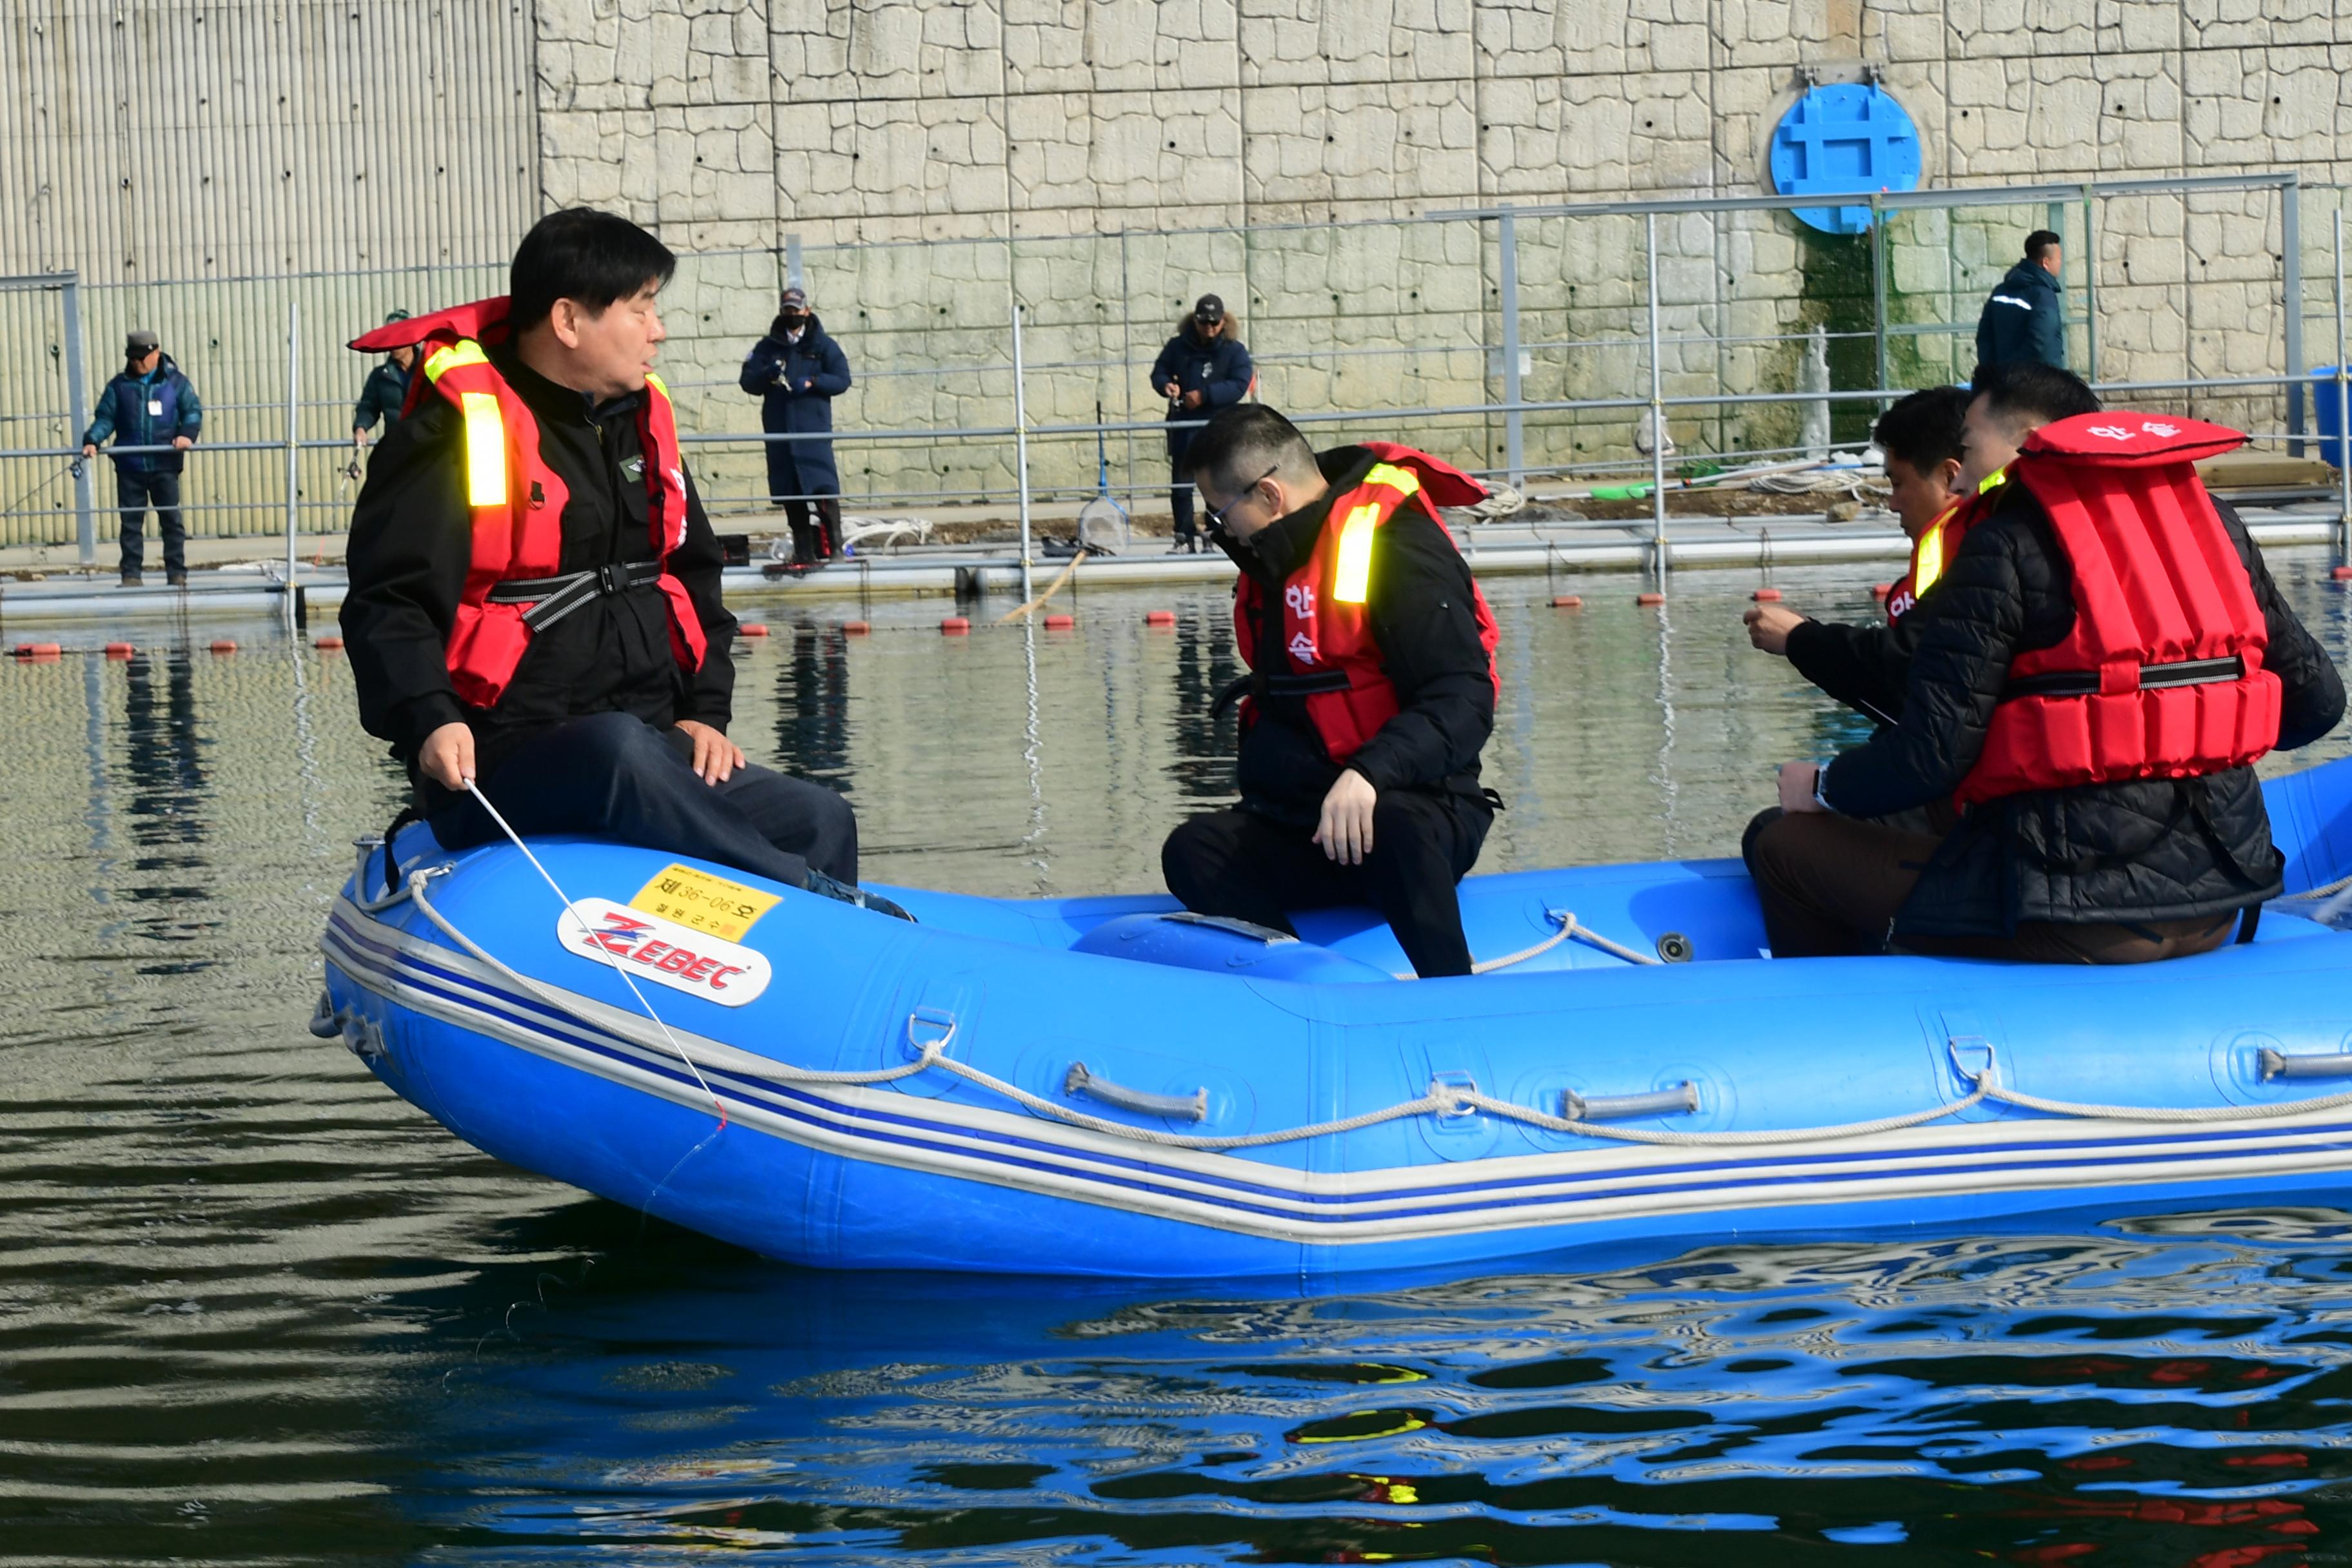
(253, 1309)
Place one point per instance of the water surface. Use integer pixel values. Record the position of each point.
(254, 1310)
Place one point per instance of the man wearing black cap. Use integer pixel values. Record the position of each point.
(385, 393)
(148, 405)
(796, 372)
(1203, 368)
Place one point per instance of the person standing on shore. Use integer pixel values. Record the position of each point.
(386, 392)
(149, 403)
(796, 372)
(2020, 319)
(1205, 368)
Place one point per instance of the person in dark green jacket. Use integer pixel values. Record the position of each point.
(150, 409)
(386, 392)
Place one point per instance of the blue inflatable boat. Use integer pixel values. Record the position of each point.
(1106, 1086)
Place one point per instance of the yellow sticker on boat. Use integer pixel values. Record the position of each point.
(703, 901)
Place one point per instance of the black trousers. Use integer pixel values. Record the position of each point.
(1251, 868)
(1179, 488)
(615, 775)
(135, 491)
(815, 541)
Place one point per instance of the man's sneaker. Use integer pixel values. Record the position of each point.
(176, 579)
(132, 580)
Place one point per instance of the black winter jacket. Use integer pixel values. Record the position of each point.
(412, 544)
(1865, 667)
(2154, 849)
(1420, 605)
(2020, 320)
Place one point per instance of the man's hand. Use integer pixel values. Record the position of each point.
(88, 450)
(1346, 830)
(1769, 626)
(448, 756)
(1192, 400)
(1797, 784)
(1171, 391)
(716, 757)
(359, 439)
(182, 443)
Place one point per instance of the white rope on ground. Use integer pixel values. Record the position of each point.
(588, 931)
(1441, 1101)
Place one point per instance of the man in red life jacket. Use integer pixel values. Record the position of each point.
(1862, 666)
(1371, 692)
(2102, 659)
(534, 589)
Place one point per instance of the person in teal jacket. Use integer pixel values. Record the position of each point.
(153, 416)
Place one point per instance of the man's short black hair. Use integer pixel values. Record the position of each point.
(1237, 448)
(582, 254)
(2022, 389)
(2039, 240)
(1923, 429)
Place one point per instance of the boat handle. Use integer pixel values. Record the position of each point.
(2278, 1064)
(1576, 1107)
(1192, 1107)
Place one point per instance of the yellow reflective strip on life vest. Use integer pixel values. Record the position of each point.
(1927, 559)
(463, 351)
(486, 449)
(1403, 481)
(656, 383)
(1351, 579)
(1993, 481)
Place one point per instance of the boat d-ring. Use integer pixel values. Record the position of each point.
(1192, 1107)
(941, 1025)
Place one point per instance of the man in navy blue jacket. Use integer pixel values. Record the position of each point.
(796, 372)
(2020, 320)
(1203, 368)
(150, 403)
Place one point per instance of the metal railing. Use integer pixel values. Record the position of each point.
(1678, 342)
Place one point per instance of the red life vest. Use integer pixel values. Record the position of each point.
(1933, 552)
(1327, 657)
(2162, 675)
(518, 500)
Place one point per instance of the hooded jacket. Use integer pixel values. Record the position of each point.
(1218, 368)
(773, 372)
(147, 411)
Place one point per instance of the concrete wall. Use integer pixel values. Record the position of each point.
(1103, 161)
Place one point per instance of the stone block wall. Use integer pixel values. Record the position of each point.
(1106, 160)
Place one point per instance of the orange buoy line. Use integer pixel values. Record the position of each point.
(955, 626)
(855, 628)
(1160, 619)
(1649, 598)
(1766, 595)
(1568, 602)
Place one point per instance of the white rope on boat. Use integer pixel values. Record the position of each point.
(1444, 1100)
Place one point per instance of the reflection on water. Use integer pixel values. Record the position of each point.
(254, 1308)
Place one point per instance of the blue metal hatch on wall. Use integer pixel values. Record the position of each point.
(1847, 139)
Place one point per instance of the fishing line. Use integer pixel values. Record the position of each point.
(73, 468)
(627, 978)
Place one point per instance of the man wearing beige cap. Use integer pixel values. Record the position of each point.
(153, 417)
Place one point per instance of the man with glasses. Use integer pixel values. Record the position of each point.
(1371, 690)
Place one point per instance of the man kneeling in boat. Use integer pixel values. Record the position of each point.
(534, 588)
(2103, 661)
(1372, 688)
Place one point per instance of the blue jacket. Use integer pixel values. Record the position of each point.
(2020, 320)
(1219, 369)
(147, 411)
(796, 384)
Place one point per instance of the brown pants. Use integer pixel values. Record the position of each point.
(1831, 885)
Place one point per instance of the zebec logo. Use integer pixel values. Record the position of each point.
(664, 951)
